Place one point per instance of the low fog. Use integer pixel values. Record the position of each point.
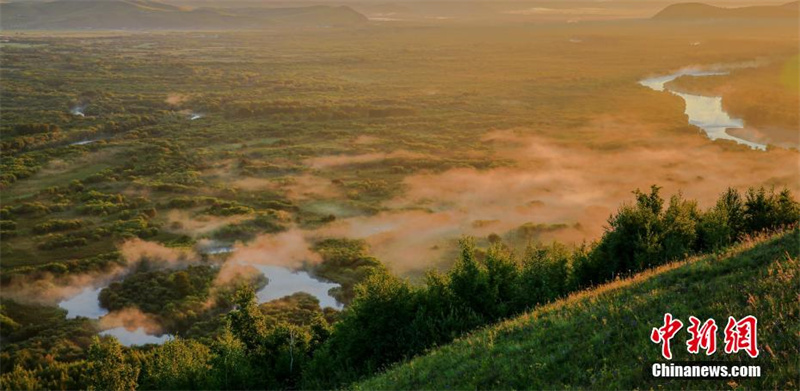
(579, 184)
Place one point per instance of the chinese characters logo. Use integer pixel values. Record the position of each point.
(740, 335)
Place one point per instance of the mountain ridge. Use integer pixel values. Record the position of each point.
(153, 15)
(699, 11)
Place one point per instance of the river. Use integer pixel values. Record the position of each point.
(705, 112)
(282, 282)
(87, 304)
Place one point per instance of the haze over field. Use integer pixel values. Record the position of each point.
(232, 174)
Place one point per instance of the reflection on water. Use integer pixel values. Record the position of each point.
(85, 304)
(77, 111)
(83, 142)
(658, 83)
(705, 112)
(284, 282)
(137, 336)
(217, 250)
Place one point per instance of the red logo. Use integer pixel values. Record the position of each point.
(741, 335)
(664, 334)
(704, 336)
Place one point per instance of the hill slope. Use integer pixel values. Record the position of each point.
(694, 11)
(147, 14)
(599, 339)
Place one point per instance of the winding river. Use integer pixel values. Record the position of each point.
(282, 282)
(86, 304)
(705, 112)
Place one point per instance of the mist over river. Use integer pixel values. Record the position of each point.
(282, 282)
(86, 304)
(135, 336)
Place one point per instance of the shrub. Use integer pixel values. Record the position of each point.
(56, 241)
(28, 129)
(679, 225)
(56, 226)
(33, 208)
(543, 276)
(765, 210)
(228, 208)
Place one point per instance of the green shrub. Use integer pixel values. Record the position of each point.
(56, 226)
(56, 241)
(544, 275)
(8, 225)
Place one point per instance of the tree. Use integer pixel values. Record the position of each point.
(374, 331)
(20, 379)
(730, 204)
(723, 223)
(544, 275)
(632, 240)
(469, 281)
(680, 229)
(231, 367)
(502, 272)
(246, 320)
(183, 283)
(178, 364)
(714, 230)
(109, 368)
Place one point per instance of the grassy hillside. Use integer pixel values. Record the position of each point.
(598, 339)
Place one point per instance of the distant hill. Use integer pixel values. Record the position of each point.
(152, 15)
(695, 11)
(599, 339)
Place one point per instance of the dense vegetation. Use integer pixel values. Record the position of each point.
(389, 319)
(176, 297)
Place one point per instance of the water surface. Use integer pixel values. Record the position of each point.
(705, 112)
(85, 304)
(83, 142)
(284, 282)
(135, 337)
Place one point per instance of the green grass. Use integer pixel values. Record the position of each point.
(599, 339)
